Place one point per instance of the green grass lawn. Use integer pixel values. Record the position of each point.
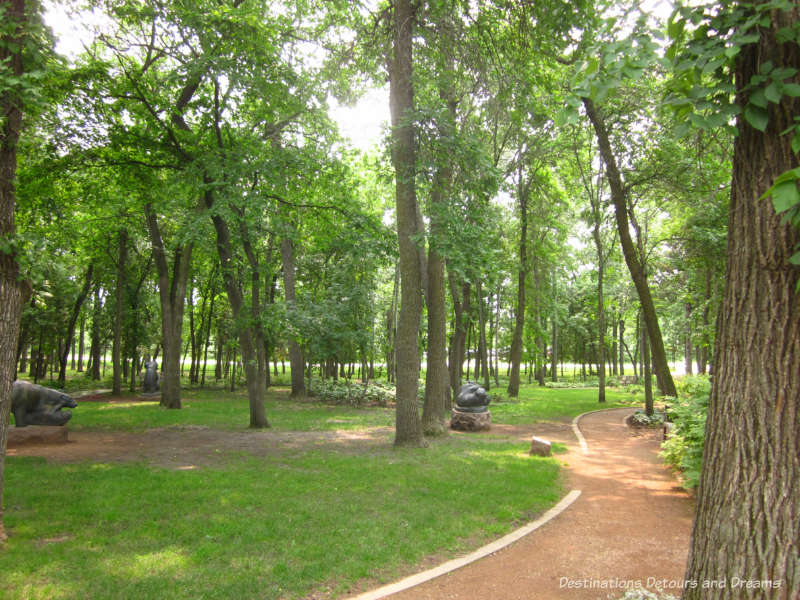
(289, 524)
(281, 526)
(536, 404)
(223, 409)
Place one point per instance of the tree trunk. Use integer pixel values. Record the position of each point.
(97, 311)
(436, 376)
(295, 352)
(747, 522)
(119, 311)
(408, 430)
(13, 292)
(702, 359)
(247, 345)
(648, 375)
(391, 328)
(73, 320)
(619, 197)
(622, 347)
(601, 309)
(522, 273)
(172, 295)
(482, 352)
(554, 351)
(458, 340)
(687, 342)
(614, 368)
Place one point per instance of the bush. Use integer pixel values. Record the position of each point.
(352, 394)
(642, 419)
(683, 450)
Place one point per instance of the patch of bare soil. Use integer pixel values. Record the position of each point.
(190, 447)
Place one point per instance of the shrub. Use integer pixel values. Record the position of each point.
(683, 450)
(352, 394)
(642, 419)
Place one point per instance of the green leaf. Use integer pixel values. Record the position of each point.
(784, 196)
(791, 89)
(757, 117)
(795, 260)
(783, 73)
(796, 143)
(772, 94)
(759, 98)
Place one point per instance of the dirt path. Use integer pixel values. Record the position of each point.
(190, 447)
(631, 525)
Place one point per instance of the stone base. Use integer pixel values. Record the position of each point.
(468, 421)
(540, 447)
(37, 434)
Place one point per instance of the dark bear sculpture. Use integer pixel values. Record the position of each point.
(472, 398)
(37, 405)
(150, 383)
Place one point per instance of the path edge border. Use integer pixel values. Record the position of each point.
(482, 552)
(577, 431)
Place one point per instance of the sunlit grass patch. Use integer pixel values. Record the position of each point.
(261, 527)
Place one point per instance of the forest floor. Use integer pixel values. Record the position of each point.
(629, 528)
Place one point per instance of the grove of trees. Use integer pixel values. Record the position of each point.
(566, 190)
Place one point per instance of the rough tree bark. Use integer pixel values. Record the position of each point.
(437, 384)
(408, 429)
(13, 292)
(747, 523)
(172, 294)
(619, 197)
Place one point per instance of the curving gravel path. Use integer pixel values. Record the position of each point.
(630, 526)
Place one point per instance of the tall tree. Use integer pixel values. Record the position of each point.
(401, 92)
(14, 41)
(172, 283)
(748, 514)
(523, 193)
(619, 197)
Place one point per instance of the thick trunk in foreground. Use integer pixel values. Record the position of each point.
(172, 294)
(620, 200)
(408, 429)
(747, 523)
(12, 291)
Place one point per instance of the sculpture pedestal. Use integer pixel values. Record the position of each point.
(470, 421)
(37, 434)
